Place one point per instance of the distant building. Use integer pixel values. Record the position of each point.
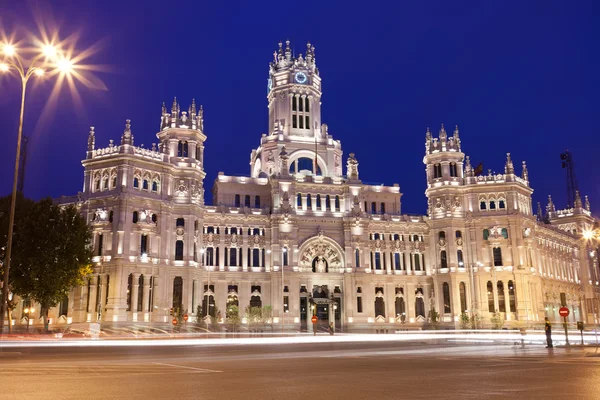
(306, 236)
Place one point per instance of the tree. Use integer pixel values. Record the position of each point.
(23, 205)
(497, 320)
(51, 253)
(233, 316)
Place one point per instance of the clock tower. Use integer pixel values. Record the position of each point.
(294, 93)
(294, 100)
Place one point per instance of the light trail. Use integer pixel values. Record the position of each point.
(501, 338)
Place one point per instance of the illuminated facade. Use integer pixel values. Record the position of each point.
(303, 234)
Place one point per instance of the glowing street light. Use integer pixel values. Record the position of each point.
(25, 68)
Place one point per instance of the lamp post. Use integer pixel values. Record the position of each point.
(45, 58)
(28, 314)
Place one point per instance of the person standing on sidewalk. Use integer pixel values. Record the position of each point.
(548, 329)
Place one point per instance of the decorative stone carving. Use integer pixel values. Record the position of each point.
(233, 240)
(323, 253)
(182, 188)
(179, 232)
(377, 245)
(398, 246)
(257, 241)
(211, 239)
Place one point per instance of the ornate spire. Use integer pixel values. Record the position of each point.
(540, 214)
(468, 167)
(550, 206)
(164, 109)
(443, 134)
(509, 167)
(524, 172)
(193, 108)
(174, 108)
(578, 203)
(456, 136)
(127, 137)
(288, 51)
(587, 203)
(91, 139)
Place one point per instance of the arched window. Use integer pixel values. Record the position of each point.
(437, 171)
(135, 217)
(458, 234)
(145, 184)
(379, 305)
(442, 235)
(304, 165)
(247, 201)
(482, 205)
(453, 169)
(97, 185)
(373, 207)
(318, 202)
(417, 262)
(180, 149)
(462, 289)
(155, 186)
(294, 104)
(237, 200)
(501, 204)
(497, 257)
(136, 183)
(459, 257)
(400, 307)
(178, 293)
(306, 108)
(129, 291)
(511, 297)
(327, 203)
(382, 208)
(446, 293)
(337, 203)
(492, 204)
(299, 200)
(308, 201)
(179, 250)
(443, 259)
(256, 201)
(180, 222)
(357, 258)
(490, 297)
(501, 298)
(184, 152)
(420, 307)
(105, 183)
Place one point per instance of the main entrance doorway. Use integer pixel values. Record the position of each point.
(326, 307)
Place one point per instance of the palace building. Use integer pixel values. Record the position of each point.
(303, 234)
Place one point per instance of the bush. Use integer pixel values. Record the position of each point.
(497, 320)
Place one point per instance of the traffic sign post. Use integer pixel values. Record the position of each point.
(564, 312)
(185, 319)
(314, 320)
(580, 327)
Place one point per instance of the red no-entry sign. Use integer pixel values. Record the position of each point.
(314, 319)
(564, 312)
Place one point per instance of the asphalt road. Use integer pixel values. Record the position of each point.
(326, 371)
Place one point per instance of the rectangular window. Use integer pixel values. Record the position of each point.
(144, 244)
(306, 108)
(100, 243)
(285, 257)
(397, 266)
(377, 260)
(286, 304)
(307, 122)
(359, 307)
(301, 122)
(294, 121)
(294, 103)
(300, 104)
(497, 257)
(179, 250)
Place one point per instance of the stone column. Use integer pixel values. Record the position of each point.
(92, 306)
(146, 294)
(135, 283)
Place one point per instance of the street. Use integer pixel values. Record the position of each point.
(371, 370)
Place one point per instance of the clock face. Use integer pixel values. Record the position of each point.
(300, 77)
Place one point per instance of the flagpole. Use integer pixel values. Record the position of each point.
(315, 163)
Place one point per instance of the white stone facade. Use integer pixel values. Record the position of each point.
(297, 229)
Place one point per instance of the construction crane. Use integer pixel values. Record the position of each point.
(572, 187)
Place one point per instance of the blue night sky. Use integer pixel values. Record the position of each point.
(516, 76)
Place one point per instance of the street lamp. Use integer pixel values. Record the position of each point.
(46, 57)
(28, 315)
